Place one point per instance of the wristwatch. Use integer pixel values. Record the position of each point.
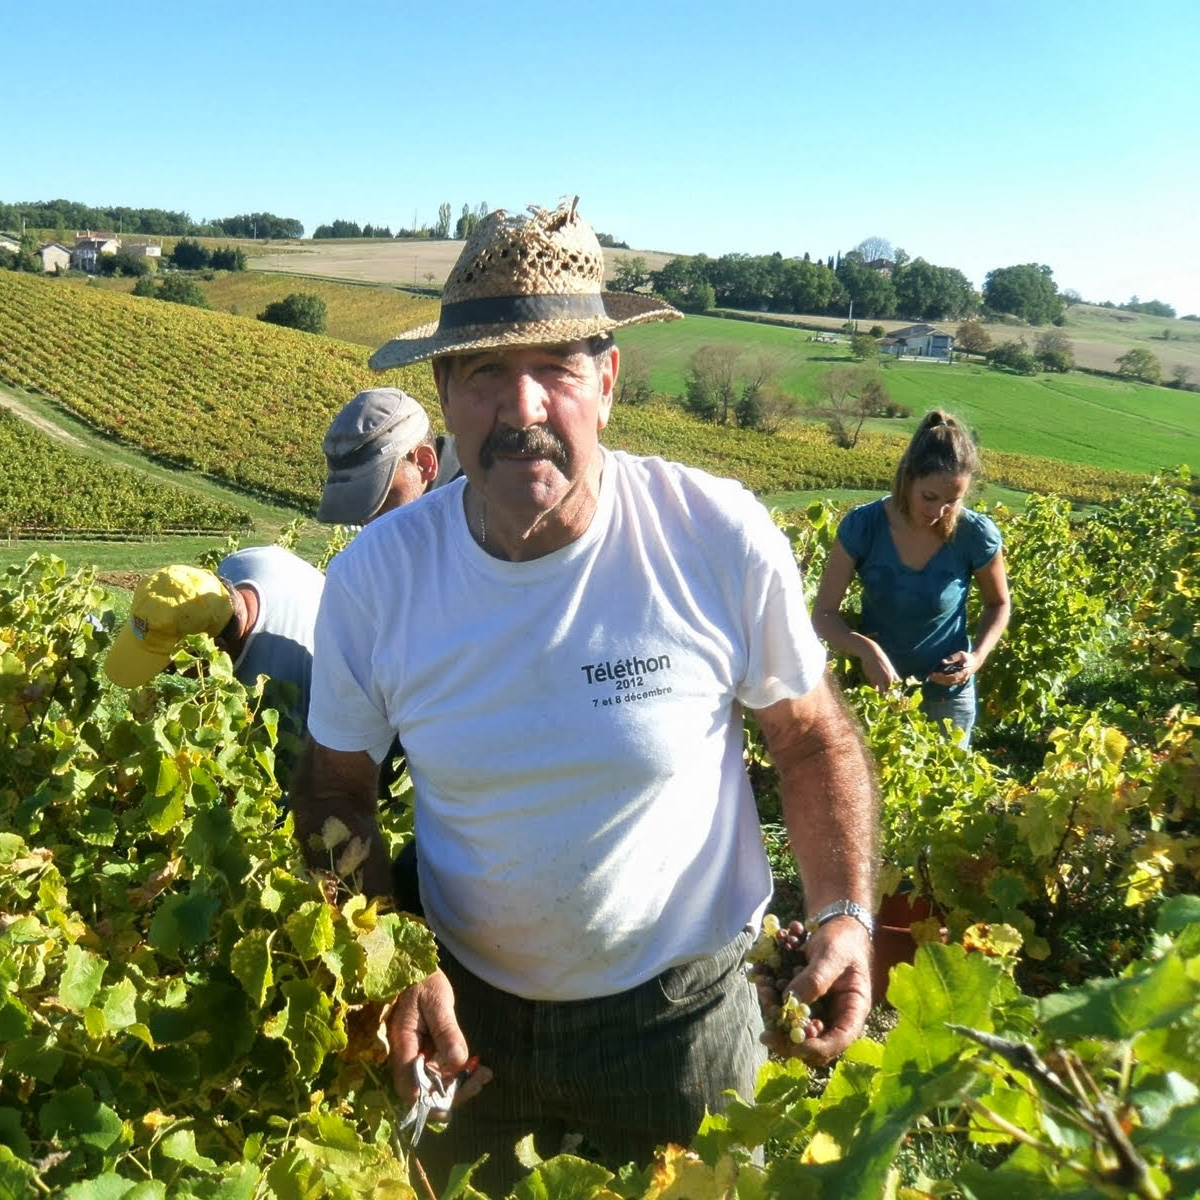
(841, 908)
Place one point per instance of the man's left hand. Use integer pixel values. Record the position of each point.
(838, 972)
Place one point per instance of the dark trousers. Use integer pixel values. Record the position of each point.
(625, 1073)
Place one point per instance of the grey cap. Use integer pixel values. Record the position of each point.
(365, 442)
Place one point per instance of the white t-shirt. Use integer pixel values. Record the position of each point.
(573, 723)
(280, 645)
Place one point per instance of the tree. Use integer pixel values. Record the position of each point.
(633, 379)
(712, 382)
(930, 293)
(181, 289)
(442, 228)
(468, 221)
(1140, 363)
(300, 310)
(189, 255)
(848, 397)
(1071, 297)
(871, 292)
(145, 286)
(1013, 356)
(760, 406)
(631, 274)
(682, 282)
(1025, 291)
(1054, 351)
(873, 248)
(1181, 377)
(228, 258)
(972, 338)
(863, 347)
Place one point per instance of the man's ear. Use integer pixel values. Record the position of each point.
(610, 364)
(424, 458)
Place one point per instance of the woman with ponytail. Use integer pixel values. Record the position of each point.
(916, 552)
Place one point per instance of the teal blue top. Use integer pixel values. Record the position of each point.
(917, 617)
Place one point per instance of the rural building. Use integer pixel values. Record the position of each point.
(86, 254)
(884, 266)
(9, 244)
(921, 341)
(142, 250)
(54, 256)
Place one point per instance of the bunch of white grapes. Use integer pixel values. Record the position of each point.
(771, 963)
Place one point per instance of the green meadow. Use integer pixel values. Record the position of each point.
(1076, 418)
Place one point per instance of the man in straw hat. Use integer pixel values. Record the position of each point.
(380, 454)
(565, 640)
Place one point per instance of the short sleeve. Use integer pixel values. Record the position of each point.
(985, 542)
(854, 533)
(346, 710)
(784, 658)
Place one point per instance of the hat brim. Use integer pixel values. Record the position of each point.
(353, 497)
(129, 664)
(428, 341)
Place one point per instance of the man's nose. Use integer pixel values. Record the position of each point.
(524, 401)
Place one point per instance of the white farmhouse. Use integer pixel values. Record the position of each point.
(54, 256)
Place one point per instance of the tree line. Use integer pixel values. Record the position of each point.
(68, 214)
(845, 285)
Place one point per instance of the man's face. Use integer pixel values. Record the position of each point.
(527, 421)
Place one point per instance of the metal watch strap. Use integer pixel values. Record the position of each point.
(841, 908)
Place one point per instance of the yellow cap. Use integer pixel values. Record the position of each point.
(167, 606)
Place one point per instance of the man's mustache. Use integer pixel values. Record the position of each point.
(535, 442)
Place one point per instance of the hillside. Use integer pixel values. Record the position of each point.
(248, 402)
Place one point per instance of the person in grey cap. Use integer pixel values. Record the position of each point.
(380, 453)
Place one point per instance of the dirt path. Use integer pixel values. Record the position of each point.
(22, 410)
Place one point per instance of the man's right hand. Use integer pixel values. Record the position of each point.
(423, 1022)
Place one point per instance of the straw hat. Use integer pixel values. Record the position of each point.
(524, 281)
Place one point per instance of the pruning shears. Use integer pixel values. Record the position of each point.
(434, 1095)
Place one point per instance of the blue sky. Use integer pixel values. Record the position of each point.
(975, 135)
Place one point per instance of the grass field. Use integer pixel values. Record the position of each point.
(1074, 418)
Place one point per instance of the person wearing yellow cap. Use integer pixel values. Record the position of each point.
(260, 607)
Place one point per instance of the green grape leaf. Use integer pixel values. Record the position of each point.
(183, 920)
(75, 1115)
(16, 1177)
(14, 1019)
(12, 1133)
(308, 1026)
(120, 1004)
(1122, 1008)
(400, 952)
(181, 1146)
(106, 1187)
(566, 1177)
(80, 978)
(37, 1056)
(310, 929)
(250, 961)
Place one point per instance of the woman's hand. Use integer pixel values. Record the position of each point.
(956, 669)
(877, 667)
